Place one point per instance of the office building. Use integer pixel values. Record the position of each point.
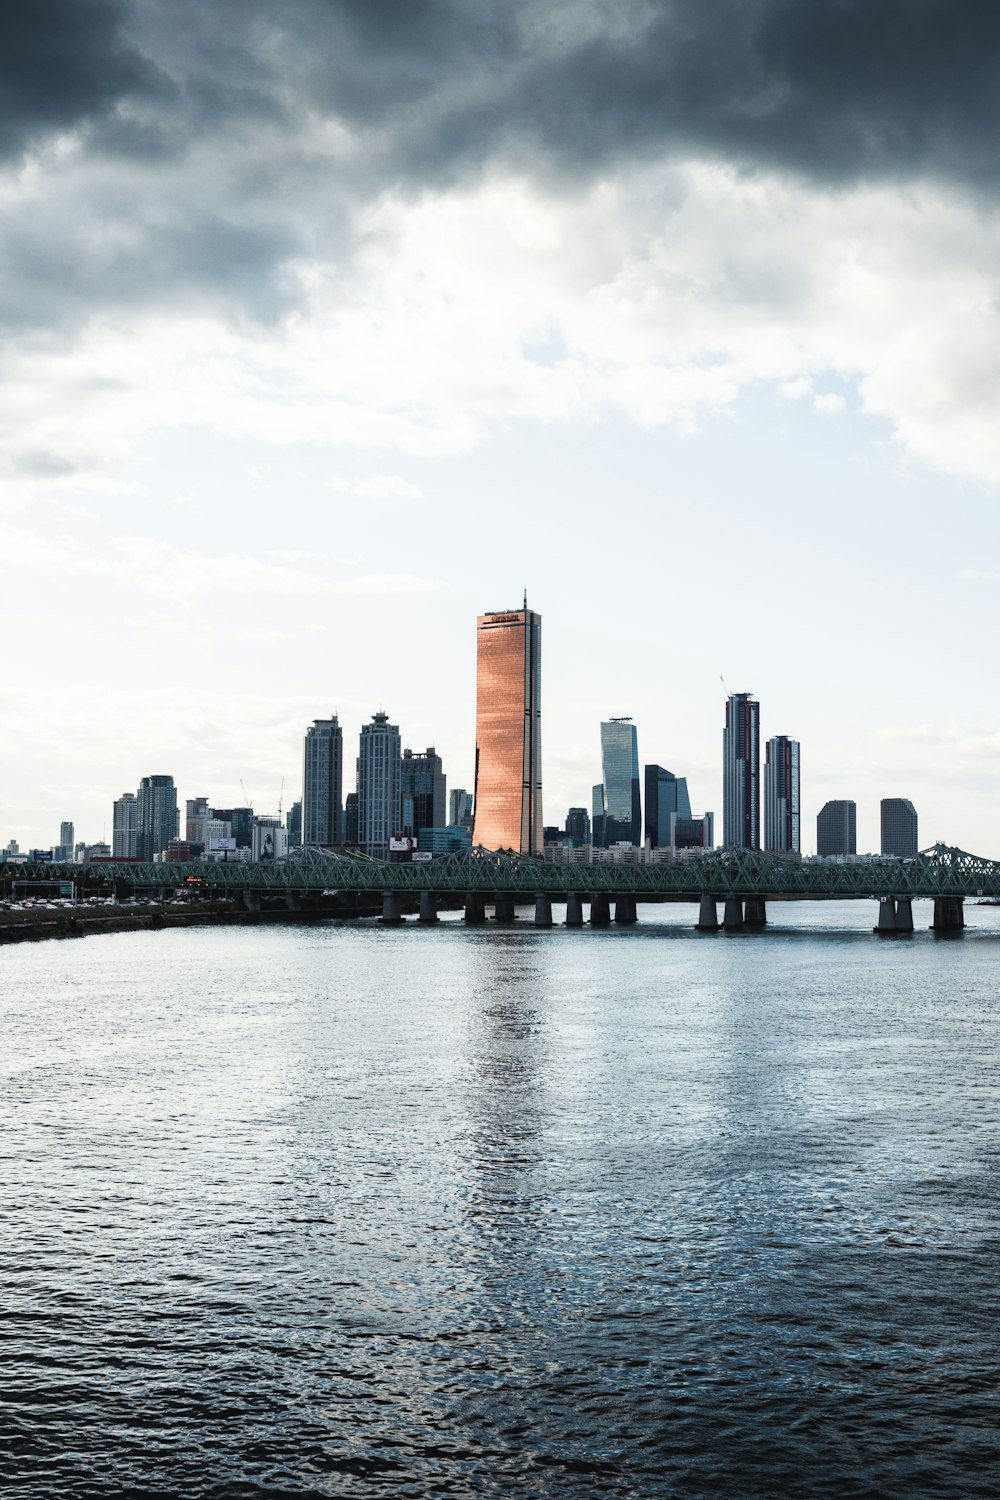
(197, 816)
(508, 786)
(379, 798)
(268, 840)
(441, 841)
(125, 827)
(692, 832)
(666, 797)
(899, 827)
(837, 828)
(351, 820)
(619, 820)
(460, 808)
(293, 825)
(423, 791)
(66, 834)
(782, 831)
(741, 773)
(322, 783)
(578, 825)
(157, 816)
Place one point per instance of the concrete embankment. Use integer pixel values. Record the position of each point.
(31, 924)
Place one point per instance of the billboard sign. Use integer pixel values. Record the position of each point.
(421, 855)
(400, 846)
(218, 845)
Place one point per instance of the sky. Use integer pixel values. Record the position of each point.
(328, 326)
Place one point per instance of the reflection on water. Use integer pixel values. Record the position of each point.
(502, 1212)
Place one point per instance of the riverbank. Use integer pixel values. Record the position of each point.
(35, 924)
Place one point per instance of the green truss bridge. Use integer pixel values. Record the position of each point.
(743, 879)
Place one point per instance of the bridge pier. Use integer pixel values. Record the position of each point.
(475, 907)
(904, 914)
(886, 916)
(949, 914)
(708, 915)
(732, 919)
(293, 901)
(392, 910)
(755, 912)
(505, 907)
(574, 911)
(428, 907)
(251, 901)
(543, 910)
(625, 913)
(600, 910)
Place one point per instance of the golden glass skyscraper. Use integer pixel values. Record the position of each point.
(508, 807)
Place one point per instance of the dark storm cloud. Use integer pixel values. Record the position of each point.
(203, 165)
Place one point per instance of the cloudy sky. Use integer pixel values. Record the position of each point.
(328, 325)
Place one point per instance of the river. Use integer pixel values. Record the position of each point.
(345, 1210)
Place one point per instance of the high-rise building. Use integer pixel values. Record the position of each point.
(196, 818)
(157, 817)
(621, 810)
(666, 796)
(837, 828)
(693, 832)
(782, 830)
(379, 800)
(597, 815)
(899, 827)
(459, 807)
(351, 820)
(578, 825)
(423, 790)
(293, 825)
(322, 783)
(741, 773)
(66, 833)
(125, 826)
(508, 788)
(267, 840)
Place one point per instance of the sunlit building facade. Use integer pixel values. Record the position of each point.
(508, 789)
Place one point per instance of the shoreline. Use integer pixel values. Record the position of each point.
(77, 922)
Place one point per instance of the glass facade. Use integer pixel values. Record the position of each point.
(157, 815)
(666, 794)
(622, 811)
(741, 773)
(125, 827)
(508, 790)
(782, 825)
(423, 791)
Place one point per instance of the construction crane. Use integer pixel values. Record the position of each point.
(246, 799)
(281, 797)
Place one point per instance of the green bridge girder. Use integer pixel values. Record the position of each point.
(939, 871)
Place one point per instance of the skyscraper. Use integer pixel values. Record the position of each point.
(156, 815)
(66, 834)
(899, 827)
(782, 831)
(459, 808)
(351, 820)
(423, 790)
(322, 783)
(125, 826)
(379, 801)
(665, 794)
(837, 828)
(621, 813)
(508, 787)
(293, 825)
(741, 773)
(196, 819)
(578, 825)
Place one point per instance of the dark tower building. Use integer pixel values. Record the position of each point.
(741, 773)
(899, 827)
(157, 815)
(423, 789)
(782, 829)
(351, 820)
(837, 828)
(578, 825)
(508, 789)
(665, 794)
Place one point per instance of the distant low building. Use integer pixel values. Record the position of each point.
(450, 840)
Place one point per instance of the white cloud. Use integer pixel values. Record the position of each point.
(377, 487)
(830, 404)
